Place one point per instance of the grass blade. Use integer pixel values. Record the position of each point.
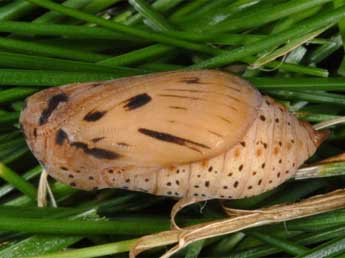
(310, 25)
(17, 181)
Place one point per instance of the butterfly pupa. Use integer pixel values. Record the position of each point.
(187, 134)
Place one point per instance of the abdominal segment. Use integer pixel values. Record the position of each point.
(270, 153)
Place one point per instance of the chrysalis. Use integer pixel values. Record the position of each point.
(185, 134)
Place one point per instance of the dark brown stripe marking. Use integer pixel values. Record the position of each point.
(192, 80)
(123, 144)
(194, 98)
(217, 134)
(179, 96)
(97, 139)
(93, 116)
(96, 152)
(172, 139)
(96, 84)
(233, 98)
(185, 90)
(137, 101)
(52, 105)
(224, 119)
(231, 107)
(176, 107)
(60, 137)
(232, 88)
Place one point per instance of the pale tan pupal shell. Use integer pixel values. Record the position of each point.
(207, 112)
(144, 121)
(178, 133)
(269, 154)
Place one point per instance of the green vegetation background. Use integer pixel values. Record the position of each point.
(290, 49)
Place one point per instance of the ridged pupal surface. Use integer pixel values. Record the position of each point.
(187, 133)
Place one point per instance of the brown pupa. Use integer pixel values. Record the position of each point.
(202, 134)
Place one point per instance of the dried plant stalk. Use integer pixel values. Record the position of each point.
(333, 166)
(329, 123)
(279, 213)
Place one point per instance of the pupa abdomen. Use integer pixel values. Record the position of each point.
(182, 134)
(268, 155)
